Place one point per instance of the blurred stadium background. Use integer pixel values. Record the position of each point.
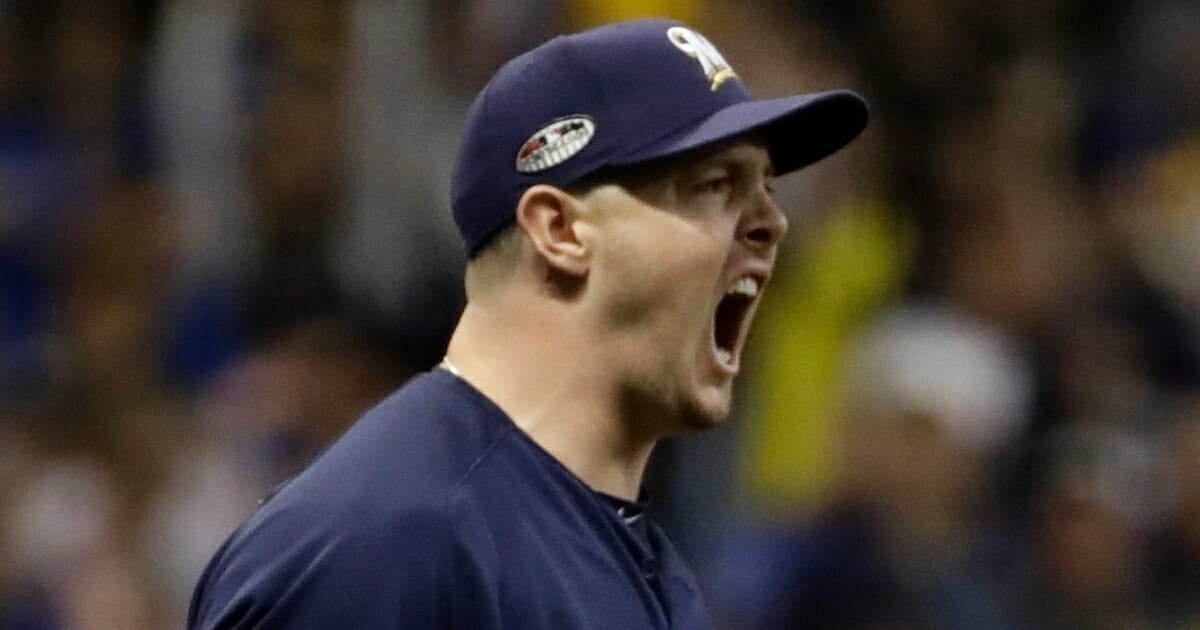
(973, 398)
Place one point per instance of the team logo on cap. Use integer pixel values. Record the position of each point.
(697, 46)
(555, 143)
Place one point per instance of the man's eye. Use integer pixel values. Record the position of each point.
(715, 185)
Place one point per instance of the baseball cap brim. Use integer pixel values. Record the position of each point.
(799, 129)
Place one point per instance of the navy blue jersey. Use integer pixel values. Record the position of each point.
(435, 511)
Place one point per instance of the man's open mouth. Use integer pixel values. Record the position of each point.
(731, 319)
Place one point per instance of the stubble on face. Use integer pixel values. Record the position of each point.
(655, 408)
(663, 261)
(657, 319)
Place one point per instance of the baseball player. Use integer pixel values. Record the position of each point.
(612, 191)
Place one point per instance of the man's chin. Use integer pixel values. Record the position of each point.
(705, 413)
(678, 415)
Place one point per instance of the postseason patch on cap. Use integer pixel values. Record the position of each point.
(555, 143)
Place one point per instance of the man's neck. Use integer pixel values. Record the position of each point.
(544, 376)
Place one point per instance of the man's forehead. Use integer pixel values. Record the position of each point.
(748, 150)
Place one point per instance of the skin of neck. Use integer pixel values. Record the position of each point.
(538, 359)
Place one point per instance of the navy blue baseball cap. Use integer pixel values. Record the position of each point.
(619, 95)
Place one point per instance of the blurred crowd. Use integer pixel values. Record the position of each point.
(973, 394)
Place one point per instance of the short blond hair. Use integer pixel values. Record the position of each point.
(496, 262)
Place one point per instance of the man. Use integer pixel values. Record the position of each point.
(612, 191)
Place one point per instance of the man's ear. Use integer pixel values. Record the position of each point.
(551, 219)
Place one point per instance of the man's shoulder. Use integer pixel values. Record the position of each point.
(373, 512)
(404, 457)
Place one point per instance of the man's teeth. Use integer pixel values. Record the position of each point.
(724, 355)
(746, 286)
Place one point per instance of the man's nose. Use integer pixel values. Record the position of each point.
(764, 226)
